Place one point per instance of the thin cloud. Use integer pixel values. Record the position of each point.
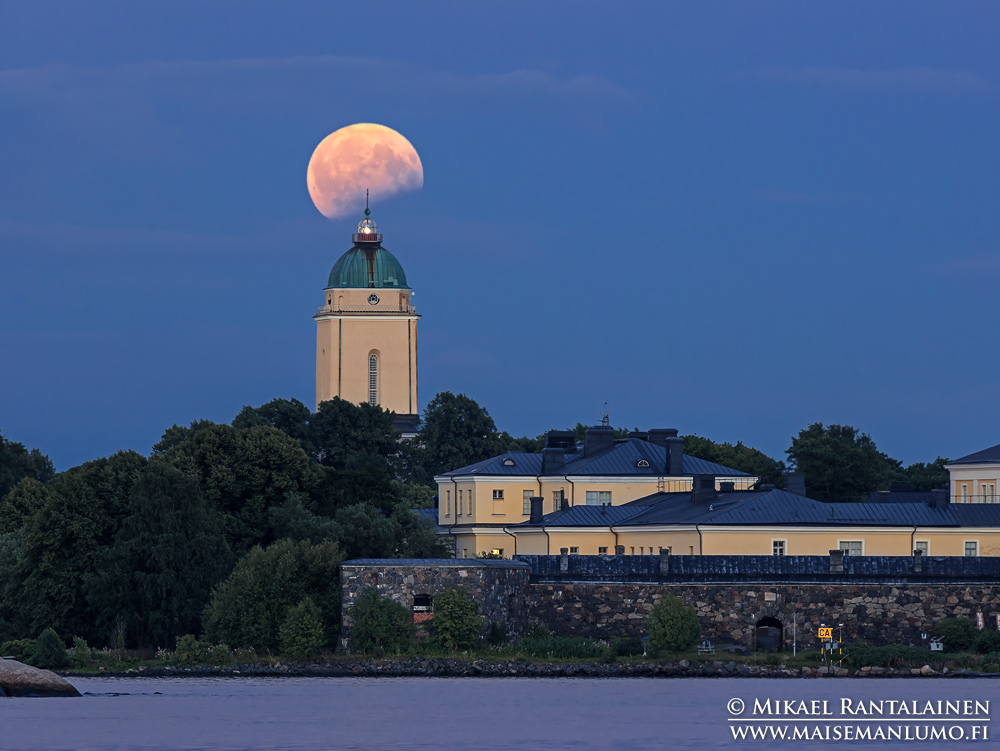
(922, 79)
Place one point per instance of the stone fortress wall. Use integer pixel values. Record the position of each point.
(739, 599)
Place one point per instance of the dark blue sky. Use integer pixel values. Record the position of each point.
(730, 218)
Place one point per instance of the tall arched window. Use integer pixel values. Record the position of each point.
(373, 378)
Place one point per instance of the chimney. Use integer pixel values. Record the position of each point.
(675, 457)
(659, 436)
(620, 551)
(564, 503)
(939, 499)
(597, 439)
(795, 482)
(703, 489)
(560, 439)
(664, 561)
(553, 461)
(836, 561)
(918, 561)
(727, 487)
(536, 509)
(563, 560)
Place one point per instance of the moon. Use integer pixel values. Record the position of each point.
(360, 156)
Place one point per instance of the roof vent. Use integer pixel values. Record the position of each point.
(642, 463)
(508, 462)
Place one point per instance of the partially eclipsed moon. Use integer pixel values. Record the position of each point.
(357, 157)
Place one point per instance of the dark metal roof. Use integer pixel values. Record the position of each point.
(621, 458)
(367, 266)
(986, 456)
(771, 507)
(896, 496)
(450, 562)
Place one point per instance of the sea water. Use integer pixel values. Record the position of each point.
(481, 714)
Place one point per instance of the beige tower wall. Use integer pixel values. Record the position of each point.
(349, 329)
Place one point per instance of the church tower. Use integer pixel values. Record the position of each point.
(366, 332)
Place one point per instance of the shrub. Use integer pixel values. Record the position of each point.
(50, 652)
(249, 607)
(498, 634)
(456, 624)
(302, 632)
(20, 649)
(895, 655)
(957, 633)
(626, 647)
(380, 625)
(189, 650)
(81, 652)
(986, 642)
(991, 663)
(540, 643)
(672, 626)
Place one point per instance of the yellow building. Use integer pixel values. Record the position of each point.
(366, 331)
(975, 478)
(763, 521)
(480, 503)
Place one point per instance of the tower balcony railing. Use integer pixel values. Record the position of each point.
(367, 238)
(367, 311)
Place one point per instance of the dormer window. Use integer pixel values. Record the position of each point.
(642, 463)
(508, 462)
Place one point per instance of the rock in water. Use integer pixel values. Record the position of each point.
(18, 679)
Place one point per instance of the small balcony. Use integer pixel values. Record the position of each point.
(326, 309)
(367, 237)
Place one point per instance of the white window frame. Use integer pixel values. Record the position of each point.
(497, 494)
(925, 543)
(965, 548)
(602, 550)
(982, 492)
(526, 502)
(373, 378)
(965, 492)
(574, 551)
(557, 499)
(784, 545)
(597, 497)
(847, 551)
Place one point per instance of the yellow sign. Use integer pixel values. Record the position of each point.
(826, 634)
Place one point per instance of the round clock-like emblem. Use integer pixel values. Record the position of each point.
(373, 299)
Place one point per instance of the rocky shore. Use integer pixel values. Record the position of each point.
(447, 668)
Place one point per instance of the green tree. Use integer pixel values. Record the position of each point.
(455, 431)
(242, 472)
(248, 608)
(290, 416)
(929, 475)
(958, 634)
(840, 464)
(17, 462)
(672, 626)
(168, 554)
(364, 532)
(21, 503)
(738, 457)
(380, 626)
(50, 652)
(456, 623)
(302, 631)
(354, 436)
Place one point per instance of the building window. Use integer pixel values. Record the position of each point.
(497, 552)
(598, 497)
(777, 547)
(965, 492)
(458, 505)
(373, 378)
(852, 547)
(447, 503)
(602, 551)
(498, 495)
(924, 546)
(526, 502)
(574, 551)
(972, 548)
(468, 495)
(498, 503)
(982, 493)
(632, 551)
(993, 493)
(557, 499)
(465, 552)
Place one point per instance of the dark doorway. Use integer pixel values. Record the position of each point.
(770, 635)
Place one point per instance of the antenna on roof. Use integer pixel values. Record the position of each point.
(366, 198)
(605, 416)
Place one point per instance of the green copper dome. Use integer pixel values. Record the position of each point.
(367, 265)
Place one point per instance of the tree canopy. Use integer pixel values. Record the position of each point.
(840, 463)
(455, 431)
(739, 457)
